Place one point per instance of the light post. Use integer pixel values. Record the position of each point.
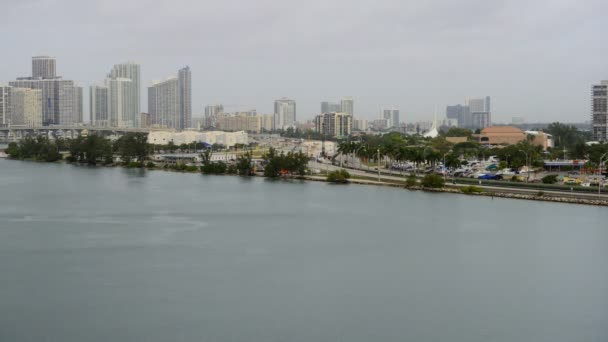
(378, 164)
(527, 165)
(445, 168)
(599, 176)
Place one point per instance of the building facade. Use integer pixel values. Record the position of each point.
(599, 111)
(170, 102)
(61, 100)
(284, 114)
(481, 120)
(127, 71)
(391, 115)
(44, 67)
(330, 107)
(98, 106)
(120, 102)
(4, 106)
(240, 122)
(460, 113)
(26, 106)
(334, 124)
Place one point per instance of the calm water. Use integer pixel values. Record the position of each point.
(94, 254)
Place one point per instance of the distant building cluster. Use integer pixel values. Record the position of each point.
(474, 114)
(41, 99)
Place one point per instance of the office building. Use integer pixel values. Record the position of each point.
(391, 115)
(330, 107)
(43, 67)
(599, 111)
(132, 106)
(481, 120)
(240, 122)
(211, 113)
(170, 102)
(61, 100)
(98, 106)
(460, 113)
(347, 106)
(284, 114)
(336, 125)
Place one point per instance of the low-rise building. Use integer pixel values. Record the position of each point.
(509, 135)
(227, 139)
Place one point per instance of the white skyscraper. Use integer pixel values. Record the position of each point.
(120, 106)
(4, 106)
(284, 113)
(131, 71)
(599, 111)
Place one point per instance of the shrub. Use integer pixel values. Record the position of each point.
(411, 180)
(214, 168)
(549, 179)
(338, 176)
(191, 168)
(540, 194)
(133, 164)
(471, 189)
(433, 181)
(150, 165)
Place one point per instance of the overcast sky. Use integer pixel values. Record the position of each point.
(536, 58)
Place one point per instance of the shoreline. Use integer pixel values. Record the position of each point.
(504, 193)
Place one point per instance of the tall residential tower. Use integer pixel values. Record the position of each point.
(599, 111)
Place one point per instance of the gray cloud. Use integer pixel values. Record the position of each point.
(536, 58)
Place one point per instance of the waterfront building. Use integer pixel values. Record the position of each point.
(284, 114)
(120, 95)
(4, 106)
(44, 67)
(127, 71)
(599, 111)
(98, 106)
(228, 139)
(170, 102)
(61, 100)
(334, 124)
(25, 107)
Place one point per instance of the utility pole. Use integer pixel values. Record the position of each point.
(378, 163)
(599, 176)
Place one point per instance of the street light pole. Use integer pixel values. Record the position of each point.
(528, 166)
(378, 164)
(599, 176)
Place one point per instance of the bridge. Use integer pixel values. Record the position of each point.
(16, 133)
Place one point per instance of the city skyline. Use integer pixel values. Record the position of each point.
(422, 57)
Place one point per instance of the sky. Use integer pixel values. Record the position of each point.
(536, 58)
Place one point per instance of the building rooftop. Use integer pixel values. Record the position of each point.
(501, 130)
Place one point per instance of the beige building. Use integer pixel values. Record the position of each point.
(240, 122)
(266, 122)
(509, 135)
(26, 107)
(334, 124)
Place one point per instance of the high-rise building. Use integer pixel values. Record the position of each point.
(266, 121)
(98, 106)
(61, 102)
(120, 97)
(4, 106)
(481, 120)
(26, 107)
(130, 71)
(391, 115)
(334, 124)
(240, 122)
(599, 111)
(43, 67)
(170, 102)
(460, 113)
(360, 125)
(184, 77)
(284, 114)
(347, 106)
(211, 113)
(330, 107)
